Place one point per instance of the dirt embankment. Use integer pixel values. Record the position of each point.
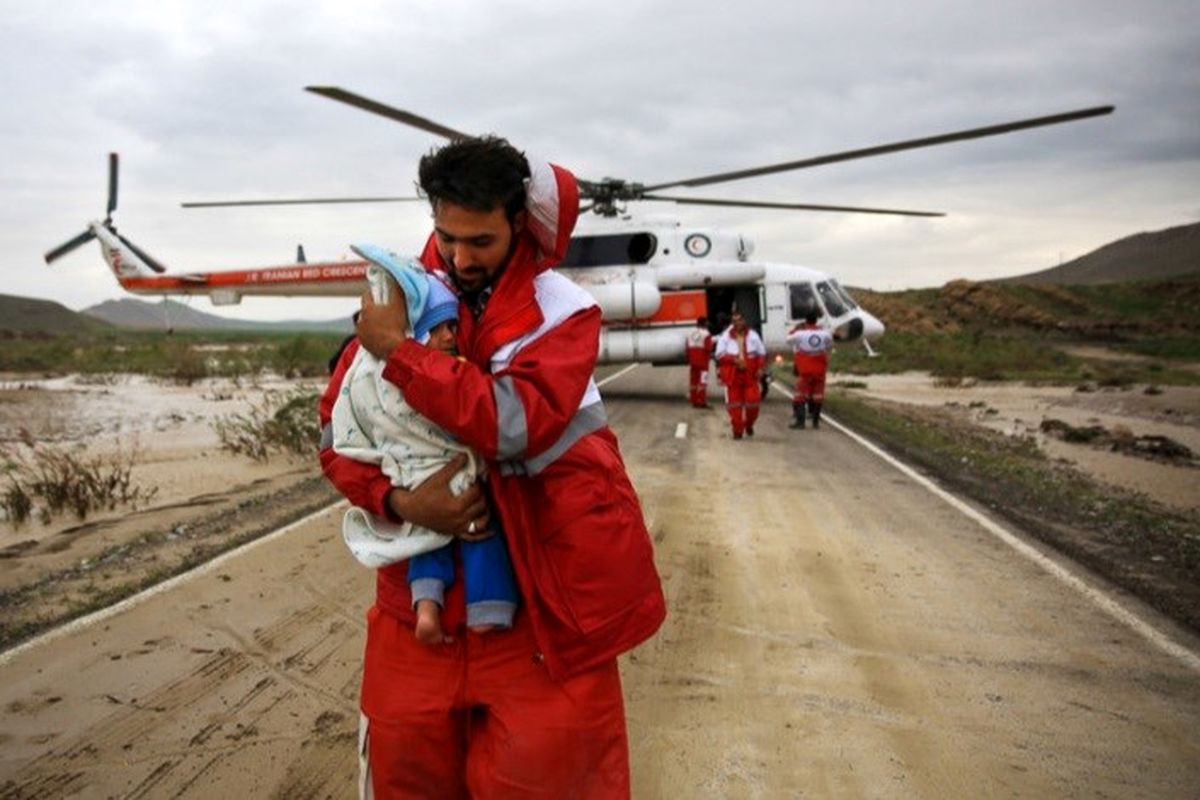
(1133, 310)
(1129, 513)
(197, 499)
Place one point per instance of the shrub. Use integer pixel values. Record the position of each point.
(45, 481)
(284, 422)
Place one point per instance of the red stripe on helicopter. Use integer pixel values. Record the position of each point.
(681, 307)
(328, 272)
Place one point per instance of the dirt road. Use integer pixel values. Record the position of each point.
(835, 631)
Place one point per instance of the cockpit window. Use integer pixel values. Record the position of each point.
(842, 293)
(833, 303)
(803, 300)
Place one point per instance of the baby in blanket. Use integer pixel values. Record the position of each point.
(373, 423)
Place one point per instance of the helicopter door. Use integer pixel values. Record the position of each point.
(723, 299)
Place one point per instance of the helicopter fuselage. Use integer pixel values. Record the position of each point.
(652, 283)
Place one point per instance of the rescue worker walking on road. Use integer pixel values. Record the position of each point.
(536, 710)
(740, 355)
(811, 345)
(699, 353)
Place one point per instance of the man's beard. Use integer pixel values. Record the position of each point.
(471, 292)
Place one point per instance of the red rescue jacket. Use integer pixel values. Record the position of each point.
(699, 348)
(727, 354)
(811, 351)
(525, 400)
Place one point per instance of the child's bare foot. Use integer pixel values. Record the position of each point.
(429, 623)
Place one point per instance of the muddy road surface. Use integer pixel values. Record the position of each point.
(835, 630)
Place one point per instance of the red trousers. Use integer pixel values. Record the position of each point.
(698, 385)
(810, 386)
(480, 718)
(742, 396)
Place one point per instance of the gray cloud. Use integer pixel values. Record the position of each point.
(203, 102)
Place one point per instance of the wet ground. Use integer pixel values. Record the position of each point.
(835, 630)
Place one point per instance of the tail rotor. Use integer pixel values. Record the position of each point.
(67, 247)
(90, 233)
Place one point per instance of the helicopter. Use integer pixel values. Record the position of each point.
(651, 281)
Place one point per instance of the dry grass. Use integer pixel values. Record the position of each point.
(44, 482)
(284, 422)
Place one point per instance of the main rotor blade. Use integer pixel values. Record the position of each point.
(867, 152)
(299, 201)
(67, 247)
(396, 114)
(709, 201)
(112, 184)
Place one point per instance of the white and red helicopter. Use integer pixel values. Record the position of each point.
(651, 281)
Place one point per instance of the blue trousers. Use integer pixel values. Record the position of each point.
(489, 583)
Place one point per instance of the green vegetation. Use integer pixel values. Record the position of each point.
(1170, 348)
(1141, 300)
(961, 355)
(1037, 332)
(284, 422)
(1012, 356)
(182, 357)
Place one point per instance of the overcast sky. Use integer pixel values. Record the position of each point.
(204, 103)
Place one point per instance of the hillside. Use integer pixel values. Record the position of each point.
(1114, 311)
(1158, 255)
(134, 314)
(27, 315)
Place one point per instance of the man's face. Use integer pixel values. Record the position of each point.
(474, 244)
(739, 322)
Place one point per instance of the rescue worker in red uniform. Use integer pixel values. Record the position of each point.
(534, 711)
(811, 345)
(699, 353)
(740, 355)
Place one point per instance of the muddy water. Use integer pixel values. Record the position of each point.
(166, 429)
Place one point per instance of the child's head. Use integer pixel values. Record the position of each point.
(438, 324)
(444, 337)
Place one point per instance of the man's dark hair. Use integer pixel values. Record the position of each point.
(702, 321)
(811, 317)
(479, 173)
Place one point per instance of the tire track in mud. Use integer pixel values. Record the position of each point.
(277, 649)
(243, 710)
(233, 710)
(137, 720)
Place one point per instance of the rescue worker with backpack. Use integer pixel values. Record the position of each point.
(811, 345)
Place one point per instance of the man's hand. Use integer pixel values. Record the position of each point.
(382, 327)
(431, 505)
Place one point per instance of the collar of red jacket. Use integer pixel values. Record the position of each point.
(552, 207)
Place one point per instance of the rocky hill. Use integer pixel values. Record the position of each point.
(134, 314)
(21, 316)
(1134, 309)
(1158, 255)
